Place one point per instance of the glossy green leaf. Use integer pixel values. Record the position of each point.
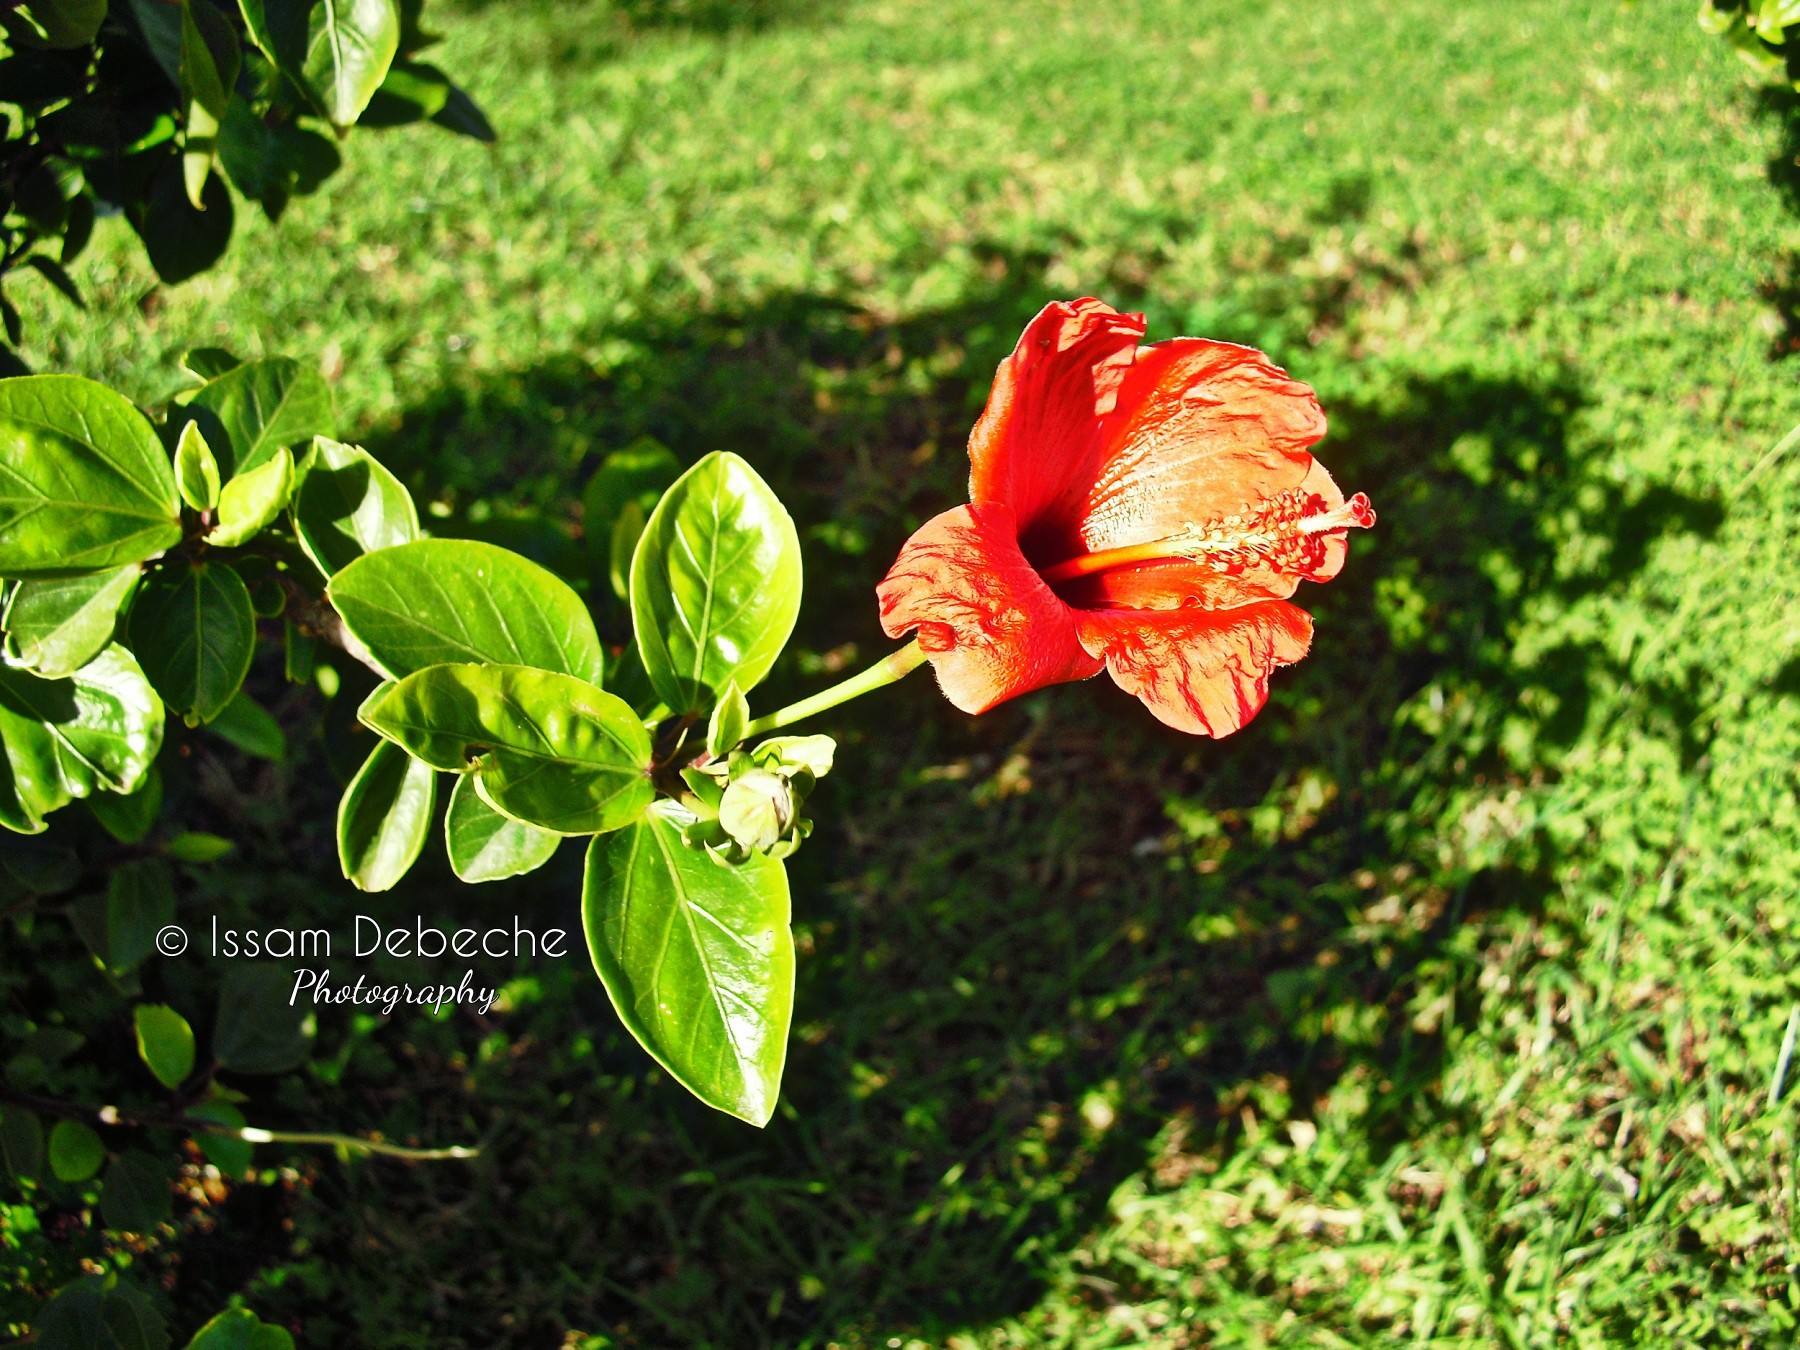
(259, 1030)
(21, 1143)
(75, 1151)
(134, 1193)
(259, 407)
(440, 601)
(698, 959)
(193, 628)
(165, 1043)
(384, 816)
(240, 1329)
(120, 927)
(486, 846)
(252, 499)
(715, 583)
(84, 481)
(350, 45)
(196, 470)
(56, 625)
(548, 749)
(348, 504)
(251, 727)
(97, 730)
(130, 816)
(730, 719)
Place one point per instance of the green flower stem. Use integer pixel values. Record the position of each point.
(894, 666)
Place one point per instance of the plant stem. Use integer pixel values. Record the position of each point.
(250, 1134)
(894, 666)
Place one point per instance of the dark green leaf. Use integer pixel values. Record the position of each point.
(208, 363)
(134, 1193)
(698, 959)
(165, 1043)
(21, 1143)
(348, 505)
(549, 749)
(193, 628)
(209, 56)
(182, 242)
(120, 927)
(258, 1031)
(260, 407)
(97, 730)
(130, 816)
(98, 1313)
(412, 92)
(196, 470)
(251, 728)
(715, 583)
(56, 23)
(487, 846)
(84, 481)
(439, 601)
(384, 816)
(56, 625)
(230, 1154)
(75, 1151)
(461, 115)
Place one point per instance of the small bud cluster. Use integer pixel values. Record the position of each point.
(751, 801)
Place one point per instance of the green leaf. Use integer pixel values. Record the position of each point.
(251, 727)
(698, 959)
(230, 1154)
(348, 504)
(384, 816)
(350, 45)
(252, 499)
(180, 239)
(99, 1313)
(208, 363)
(487, 846)
(165, 1043)
(258, 1031)
(84, 482)
(210, 57)
(412, 92)
(56, 625)
(618, 501)
(120, 927)
(59, 24)
(730, 719)
(76, 1152)
(240, 1329)
(130, 816)
(97, 730)
(548, 749)
(199, 848)
(193, 628)
(21, 1143)
(273, 163)
(196, 471)
(715, 583)
(626, 531)
(134, 1193)
(441, 601)
(783, 753)
(261, 406)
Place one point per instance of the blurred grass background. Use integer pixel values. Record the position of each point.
(1439, 1007)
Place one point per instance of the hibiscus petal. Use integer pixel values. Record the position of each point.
(1205, 672)
(1038, 441)
(990, 626)
(1201, 431)
(1172, 583)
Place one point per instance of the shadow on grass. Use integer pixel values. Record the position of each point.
(1029, 941)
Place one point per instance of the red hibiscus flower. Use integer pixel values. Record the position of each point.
(1146, 510)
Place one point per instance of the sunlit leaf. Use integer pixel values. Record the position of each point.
(486, 846)
(384, 816)
(56, 625)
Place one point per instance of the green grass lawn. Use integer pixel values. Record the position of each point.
(1439, 1007)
